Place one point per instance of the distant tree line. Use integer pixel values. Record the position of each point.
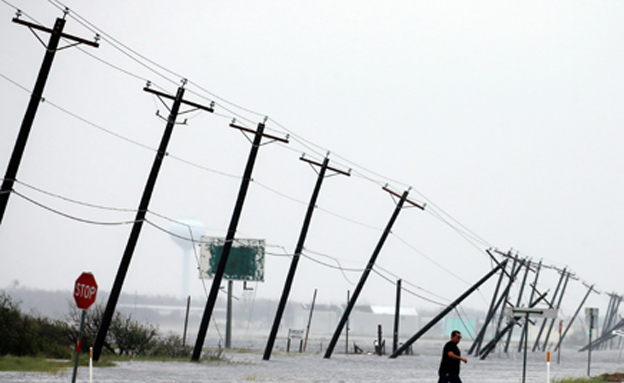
(24, 334)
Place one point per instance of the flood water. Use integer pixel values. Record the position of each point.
(312, 367)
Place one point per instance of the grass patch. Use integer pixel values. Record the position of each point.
(110, 360)
(56, 366)
(215, 356)
(36, 364)
(616, 377)
(27, 363)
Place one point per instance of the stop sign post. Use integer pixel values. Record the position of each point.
(85, 291)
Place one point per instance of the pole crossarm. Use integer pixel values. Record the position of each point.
(348, 174)
(244, 129)
(496, 261)
(48, 30)
(403, 197)
(166, 95)
(532, 285)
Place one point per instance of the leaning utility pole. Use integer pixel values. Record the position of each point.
(552, 322)
(229, 239)
(35, 98)
(305, 340)
(524, 332)
(514, 270)
(590, 289)
(298, 249)
(141, 212)
(485, 351)
(518, 301)
(476, 344)
(397, 317)
(449, 308)
(555, 296)
(501, 300)
(369, 268)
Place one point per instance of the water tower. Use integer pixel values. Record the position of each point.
(187, 233)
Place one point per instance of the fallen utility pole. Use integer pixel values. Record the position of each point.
(574, 317)
(448, 309)
(141, 213)
(229, 239)
(298, 249)
(35, 99)
(605, 337)
(369, 268)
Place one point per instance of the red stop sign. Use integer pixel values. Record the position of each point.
(85, 290)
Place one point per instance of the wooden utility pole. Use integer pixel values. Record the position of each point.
(229, 239)
(552, 321)
(141, 212)
(525, 329)
(369, 267)
(35, 98)
(518, 301)
(555, 296)
(589, 290)
(298, 249)
(476, 344)
(397, 317)
(305, 342)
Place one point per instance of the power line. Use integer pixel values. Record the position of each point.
(117, 44)
(338, 265)
(73, 200)
(72, 217)
(429, 259)
(405, 289)
(410, 283)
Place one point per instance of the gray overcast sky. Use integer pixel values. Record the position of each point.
(504, 117)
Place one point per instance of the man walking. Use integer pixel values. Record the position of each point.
(451, 356)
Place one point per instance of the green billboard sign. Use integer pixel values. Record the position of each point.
(245, 263)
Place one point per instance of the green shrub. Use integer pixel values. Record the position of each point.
(28, 335)
(10, 321)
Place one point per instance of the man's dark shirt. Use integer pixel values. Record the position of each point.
(449, 365)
